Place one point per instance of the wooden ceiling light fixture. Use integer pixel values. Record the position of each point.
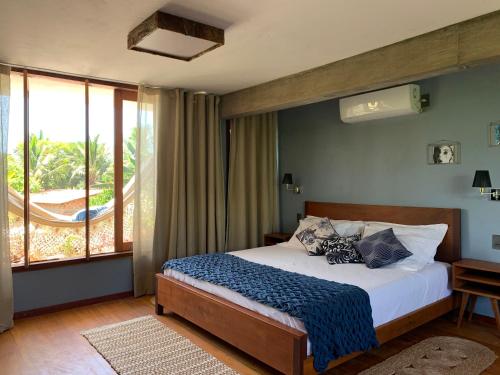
(175, 37)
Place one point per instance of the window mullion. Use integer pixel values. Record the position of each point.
(26, 153)
(118, 170)
(87, 170)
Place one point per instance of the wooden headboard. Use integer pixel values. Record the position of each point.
(448, 251)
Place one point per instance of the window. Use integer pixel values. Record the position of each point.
(71, 165)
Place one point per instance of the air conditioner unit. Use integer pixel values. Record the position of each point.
(396, 101)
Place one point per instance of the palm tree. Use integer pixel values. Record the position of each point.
(99, 162)
(37, 151)
(38, 158)
(129, 157)
(46, 167)
(48, 163)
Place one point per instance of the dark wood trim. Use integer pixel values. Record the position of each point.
(118, 169)
(87, 172)
(71, 305)
(449, 251)
(129, 95)
(95, 81)
(26, 172)
(119, 97)
(176, 24)
(67, 262)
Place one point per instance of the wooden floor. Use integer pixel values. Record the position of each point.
(51, 343)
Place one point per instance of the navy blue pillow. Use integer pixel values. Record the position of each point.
(381, 249)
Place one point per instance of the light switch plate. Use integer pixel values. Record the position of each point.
(495, 241)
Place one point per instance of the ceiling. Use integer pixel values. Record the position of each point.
(265, 39)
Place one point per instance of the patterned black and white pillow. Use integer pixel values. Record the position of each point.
(340, 250)
(313, 236)
(381, 249)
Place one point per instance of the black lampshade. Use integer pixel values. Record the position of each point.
(482, 179)
(287, 179)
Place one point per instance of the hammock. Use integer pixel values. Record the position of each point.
(42, 216)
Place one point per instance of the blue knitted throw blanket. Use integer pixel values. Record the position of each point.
(337, 317)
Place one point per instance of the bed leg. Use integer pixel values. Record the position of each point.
(299, 356)
(159, 310)
(158, 307)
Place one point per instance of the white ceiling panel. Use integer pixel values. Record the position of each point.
(264, 39)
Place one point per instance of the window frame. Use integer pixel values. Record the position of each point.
(122, 92)
(120, 96)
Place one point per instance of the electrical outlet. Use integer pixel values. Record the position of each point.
(299, 216)
(495, 241)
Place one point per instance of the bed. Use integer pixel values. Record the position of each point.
(280, 340)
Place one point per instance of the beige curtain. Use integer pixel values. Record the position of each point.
(6, 299)
(253, 181)
(185, 179)
(148, 117)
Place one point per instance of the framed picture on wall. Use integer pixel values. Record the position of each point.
(494, 134)
(443, 153)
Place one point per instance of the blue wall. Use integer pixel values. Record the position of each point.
(54, 286)
(384, 161)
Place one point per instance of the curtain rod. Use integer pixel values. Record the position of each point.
(199, 92)
(57, 72)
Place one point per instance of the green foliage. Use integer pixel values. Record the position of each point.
(70, 245)
(61, 165)
(99, 162)
(49, 165)
(129, 157)
(102, 198)
(15, 173)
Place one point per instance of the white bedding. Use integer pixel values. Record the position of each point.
(393, 292)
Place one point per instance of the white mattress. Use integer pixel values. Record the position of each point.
(393, 292)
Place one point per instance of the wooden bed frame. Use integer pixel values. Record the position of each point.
(285, 348)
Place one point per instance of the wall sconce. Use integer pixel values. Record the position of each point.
(288, 182)
(482, 181)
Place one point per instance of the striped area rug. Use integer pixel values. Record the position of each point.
(146, 346)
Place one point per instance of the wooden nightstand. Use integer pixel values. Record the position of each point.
(477, 278)
(274, 238)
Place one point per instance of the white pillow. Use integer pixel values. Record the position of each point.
(344, 228)
(421, 240)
